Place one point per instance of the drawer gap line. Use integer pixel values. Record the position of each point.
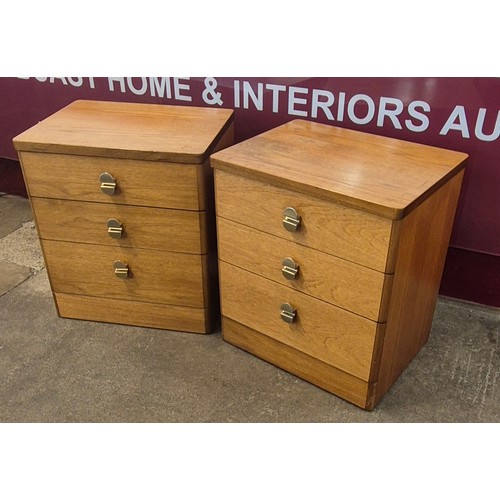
(305, 246)
(303, 293)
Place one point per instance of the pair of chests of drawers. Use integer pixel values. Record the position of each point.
(128, 247)
(334, 268)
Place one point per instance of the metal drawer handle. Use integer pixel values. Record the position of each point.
(121, 270)
(290, 269)
(288, 313)
(291, 220)
(115, 228)
(108, 183)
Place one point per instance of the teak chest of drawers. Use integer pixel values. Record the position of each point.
(122, 196)
(331, 248)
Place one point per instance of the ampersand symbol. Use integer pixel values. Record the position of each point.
(210, 96)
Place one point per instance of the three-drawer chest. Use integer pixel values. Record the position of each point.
(331, 248)
(122, 195)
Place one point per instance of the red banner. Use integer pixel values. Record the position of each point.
(455, 113)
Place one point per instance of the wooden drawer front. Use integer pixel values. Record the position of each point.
(340, 282)
(326, 332)
(311, 369)
(161, 277)
(153, 228)
(128, 312)
(345, 232)
(152, 184)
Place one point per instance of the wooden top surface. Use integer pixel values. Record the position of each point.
(380, 175)
(128, 130)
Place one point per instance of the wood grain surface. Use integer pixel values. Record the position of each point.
(161, 277)
(159, 157)
(424, 238)
(184, 134)
(144, 183)
(337, 281)
(381, 175)
(340, 231)
(129, 312)
(326, 332)
(143, 227)
(368, 205)
(294, 361)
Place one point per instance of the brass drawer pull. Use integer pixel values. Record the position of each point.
(108, 183)
(290, 269)
(288, 313)
(291, 220)
(121, 270)
(115, 228)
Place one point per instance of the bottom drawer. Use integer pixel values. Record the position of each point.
(154, 276)
(344, 385)
(126, 312)
(323, 331)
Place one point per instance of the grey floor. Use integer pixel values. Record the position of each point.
(61, 370)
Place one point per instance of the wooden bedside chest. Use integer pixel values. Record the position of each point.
(122, 196)
(331, 247)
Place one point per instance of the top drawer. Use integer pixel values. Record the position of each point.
(146, 183)
(341, 231)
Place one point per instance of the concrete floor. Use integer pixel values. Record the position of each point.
(61, 370)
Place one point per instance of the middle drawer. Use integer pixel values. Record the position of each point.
(142, 227)
(153, 276)
(340, 282)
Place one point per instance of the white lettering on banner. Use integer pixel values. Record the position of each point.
(112, 85)
(275, 89)
(210, 94)
(137, 91)
(458, 112)
(317, 103)
(324, 105)
(160, 87)
(480, 124)
(178, 87)
(361, 109)
(371, 109)
(424, 119)
(76, 82)
(293, 100)
(236, 94)
(52, 79)
(257, 99)
(79, 81)
(392, 114)
(463, 126)
(340, 108)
